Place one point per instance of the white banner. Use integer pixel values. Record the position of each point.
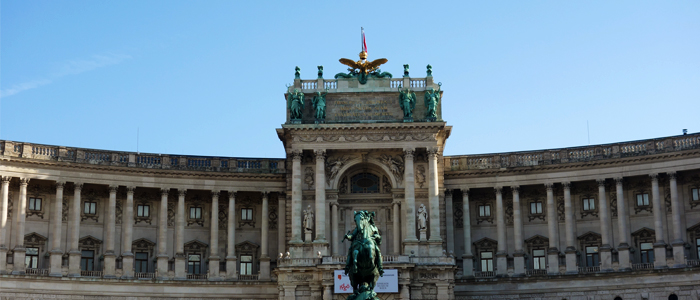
(389, 283)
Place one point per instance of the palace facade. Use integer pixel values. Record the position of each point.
(614, 221)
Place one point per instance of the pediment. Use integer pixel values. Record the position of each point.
(35, 238)
(89, 240)
(486, 243)
(589, 236)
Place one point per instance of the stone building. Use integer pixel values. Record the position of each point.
(615, 221)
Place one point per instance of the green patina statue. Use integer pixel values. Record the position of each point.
(297, 72)
(364, 264)
(429, 70)
(295, 104)
(407, 102)
(320, 71)
(319, 103)
(405, 70)
(432, 98)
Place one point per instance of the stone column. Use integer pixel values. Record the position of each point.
(321, 197)
(434, 199)
(214, 238)
(109, 262)
(606, 248)
(501, 254)
(296, 197)
(20, 216)
(396, 234)
(127, 232)
(334, 228)
(3, 223)
(449, 222)
(74, 222)
(56, 228)
(162, 257)
(180, 268)
(467, 257)
(677, 210)
(519, 254)
(623, 249)
(230, 237)
(281, 222)
(553, 229)
(264, 255)
(660, 244)
(571, 267)
(410, 242)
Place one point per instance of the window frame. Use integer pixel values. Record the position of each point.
(87, 263)
(194, 266)
(486, 261)
(590, 201)
(139, 263)
(646, 256)
(31, 206)
(539, 262)
(32, 258)
(92, 210)
(538, 207)
(486, 212)
(246, 265)
(195, 209)
(592, 259)
(246, 214)
(140, 210)
(643, 199)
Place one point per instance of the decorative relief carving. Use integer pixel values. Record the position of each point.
(613, 204)
(171, 213)
(363, 201)
(390, 137)
(118, 212)
(428, 275)
(459, 215)
(561, 209)
(343, 188)
(508, 203)
(420, 175)
(9, 206)
(386, 184)
(394, 163)
(309, 177)
(64, 210)
(272, 216)
(223, 216)
(302, 277)
(333, 166)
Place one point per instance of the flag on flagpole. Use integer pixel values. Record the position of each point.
(364, 42)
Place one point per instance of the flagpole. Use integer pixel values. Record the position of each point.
(362, 42)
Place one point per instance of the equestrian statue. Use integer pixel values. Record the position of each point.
(364, 264)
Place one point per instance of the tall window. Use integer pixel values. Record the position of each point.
(487, 261)
(141, 262)
(195, 213)
(35, 204)
(695, 193)
(592, 257)
(143, 210)
(32, 258)
(484, 210)
(87, 261)
(194, 264)
(588, 204)
(90, 208)
(697, 246)
(536, 208)
(647, 252)
(538, 259)
(246, 265)
(246, 214)
(643, 199)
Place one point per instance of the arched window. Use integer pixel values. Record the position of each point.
(672, 297)
(364, 183)
(618, 298)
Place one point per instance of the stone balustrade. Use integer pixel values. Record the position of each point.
(432, 260)
(572, 155)
(141, 160)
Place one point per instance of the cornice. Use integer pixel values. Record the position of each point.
(365, 126)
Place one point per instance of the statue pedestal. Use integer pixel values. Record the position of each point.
(307, 236)
(423, 234)
(407, 119)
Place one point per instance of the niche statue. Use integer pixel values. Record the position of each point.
(364, 264)
(432, 98)
(295, 104)
(319, 103)
(407, 102)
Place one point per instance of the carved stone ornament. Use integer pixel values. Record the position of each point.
(386, 185)
(458, 215)
(118, 212)
(309, 177)
(37, 191)
(422, 217)
(420, 175)
(333, 166)
(394, 163)
(343, 188)
(272, 217)
(308, 219)
(64, 210)
(613, 204)
(223, 216)
(171, 213)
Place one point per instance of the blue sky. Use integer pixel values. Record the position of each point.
(208, 77)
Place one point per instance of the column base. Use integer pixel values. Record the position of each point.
(110, 266)
(623, 254)
(423, 235)
(467, 266)
(3, 260)
(307, 237)
(321, 246)
(678, 254)
(571, 267)
(231, 273)
(55, 263)
(553, 262)
(606, 258)
(660, 255)
(264, 268)
(127, 265)
(19, 267)
(74, 263)
(162, 267)
(410, 247)
(501, 264)
(214, 269)
(519, 264)
(435, 248)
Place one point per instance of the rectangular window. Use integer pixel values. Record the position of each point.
(588, 204)
(35, 204)
(487, 261)
(538, 259)
(592, 257)
(695, 194)
(646, 252)
(246, 265)
(484, 210)
(143, 211)
(643, 199)
(194, 264)
(535, 208)
(141, 262)
(195, 212)
(697, 246)
(90, 208)
(247, 214)
(32, 258)
(87, 260)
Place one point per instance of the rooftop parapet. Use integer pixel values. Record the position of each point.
(141, 160)
(572, 155)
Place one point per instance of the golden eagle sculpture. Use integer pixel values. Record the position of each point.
(363, 65)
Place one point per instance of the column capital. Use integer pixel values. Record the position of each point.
(78, 186)
(498, 190)
(113, 189)
(24, 181)
(465, 190)
(654, 177)
(60, 184)
(320, 154)
(448, 193)
(408, 153)
(265, 194)
(215, 193)
(333, 203)
(672, 175)
(181, 192)
(566, 185)
(515, 189)
(281, 196)
(601, 182)
(164, 191)
(396, 202)
(549, 186)
(618, 180)
(6, 179)
(432, 152)
(130, 190)
(296, 155)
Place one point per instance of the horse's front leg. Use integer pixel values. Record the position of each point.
(354, 260)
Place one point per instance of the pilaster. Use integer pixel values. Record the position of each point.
(56, 226)
(127, 230)
(3, 223)
(74, 254)
(20, 216)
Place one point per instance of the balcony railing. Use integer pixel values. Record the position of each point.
(536, 272)
(144, 275)
(248, 277)
(692, 263)
(197, 276)
(91, 273)
(37, 272)
(588, 270)
(573, 155)
(141, 160)
(432, 260)
(486, 274)
(298, 262)
(643, 266)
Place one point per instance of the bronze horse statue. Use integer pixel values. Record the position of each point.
(364, 264)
